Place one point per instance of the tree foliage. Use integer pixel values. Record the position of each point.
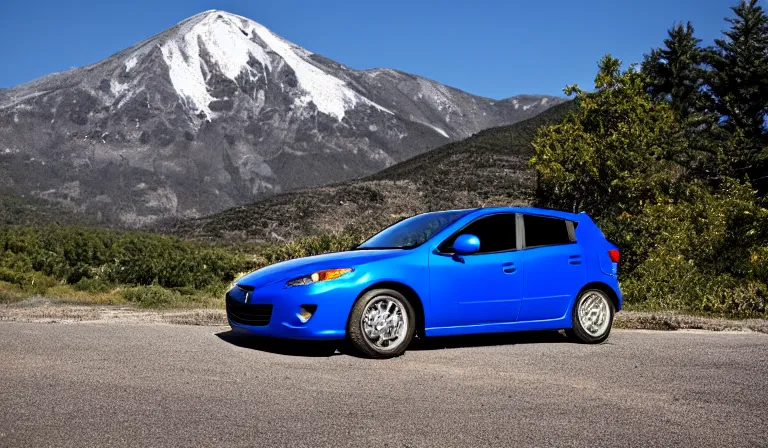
(675, 71)
(635, 155)
(739, 82)
(616, 152)
(739, 75)
(720, 92)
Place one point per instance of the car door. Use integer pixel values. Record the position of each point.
(481, 288)
(554, 268)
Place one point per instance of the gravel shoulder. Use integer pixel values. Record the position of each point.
(42, 310)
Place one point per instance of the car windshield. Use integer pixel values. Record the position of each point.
(413, 231)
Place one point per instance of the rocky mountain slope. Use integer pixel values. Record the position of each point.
(219, 111)
(487, 169)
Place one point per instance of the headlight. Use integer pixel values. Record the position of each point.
(319, 276)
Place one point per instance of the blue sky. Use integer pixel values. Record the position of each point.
(494, 48)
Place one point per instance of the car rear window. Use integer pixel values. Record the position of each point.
(545, 231)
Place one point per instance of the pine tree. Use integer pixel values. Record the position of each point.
(675, 72)
(739, 75)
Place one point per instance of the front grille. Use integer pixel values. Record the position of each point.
(257, 315)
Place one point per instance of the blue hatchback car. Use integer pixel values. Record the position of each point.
(441, 273)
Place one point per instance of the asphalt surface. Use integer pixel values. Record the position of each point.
(94, 384)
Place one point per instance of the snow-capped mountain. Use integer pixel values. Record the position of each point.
(218, 111)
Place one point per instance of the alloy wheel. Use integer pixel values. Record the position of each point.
(594, 314)
(385, 323)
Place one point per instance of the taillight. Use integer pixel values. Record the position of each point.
(614, 255)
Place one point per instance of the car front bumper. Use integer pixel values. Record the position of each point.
(275, 311)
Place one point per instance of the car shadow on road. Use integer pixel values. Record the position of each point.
(281, 346)
(331, 348)
(488, 340)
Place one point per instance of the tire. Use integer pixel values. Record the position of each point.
(367, 315)
(592, 323)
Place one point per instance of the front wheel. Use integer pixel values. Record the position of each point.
(381, 324)
(592, 316)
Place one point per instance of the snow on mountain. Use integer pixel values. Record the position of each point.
(218, 111)
(330, 94)
(228, 48)
(228, 42)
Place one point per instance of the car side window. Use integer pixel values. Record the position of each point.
(496, 233)
(546, 231)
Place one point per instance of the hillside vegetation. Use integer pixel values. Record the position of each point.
(77, 264)
(16, 210)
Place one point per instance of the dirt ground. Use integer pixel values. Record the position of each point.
(39, 309)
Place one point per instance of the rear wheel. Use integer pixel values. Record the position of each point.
(593, 314)
(381, 324)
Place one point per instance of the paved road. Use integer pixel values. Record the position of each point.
(104, 384)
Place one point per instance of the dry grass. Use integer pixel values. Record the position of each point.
(10, 293)
(47, 313)
(677, 321)
(143, 296)
(197, 317)
(43, 310)
(65, 294)
(39, 309)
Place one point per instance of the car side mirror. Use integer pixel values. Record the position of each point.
(466, 244)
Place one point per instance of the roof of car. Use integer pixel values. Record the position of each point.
(531, 211)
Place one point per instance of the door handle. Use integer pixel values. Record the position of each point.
(509, 268)
(574, 259)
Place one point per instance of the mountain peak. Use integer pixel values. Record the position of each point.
(229, 50)
(239, 47)
(212, 14)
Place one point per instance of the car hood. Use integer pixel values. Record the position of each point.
(290, 269)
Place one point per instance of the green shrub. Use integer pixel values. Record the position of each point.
(31, 282)
(93, 285)
(705, 252)
(10, 293)
(100, 257)
(72, 295)
(88, 265)
(153, 296)
(665, 282)
(307, 246)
